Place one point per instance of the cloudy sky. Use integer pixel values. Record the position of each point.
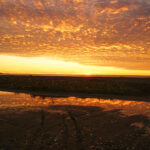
(98, 33)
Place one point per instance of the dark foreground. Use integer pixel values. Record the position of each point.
(72, 128)
(123, 86)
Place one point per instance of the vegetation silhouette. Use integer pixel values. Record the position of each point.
(126, 86)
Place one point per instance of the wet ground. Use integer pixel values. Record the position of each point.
(50, 123)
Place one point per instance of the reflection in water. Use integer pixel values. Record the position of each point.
(10, 99)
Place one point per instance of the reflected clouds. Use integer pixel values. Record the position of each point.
(127, 107)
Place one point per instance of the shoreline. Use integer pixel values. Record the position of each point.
(79, 95)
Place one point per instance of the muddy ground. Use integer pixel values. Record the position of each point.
(72, 128)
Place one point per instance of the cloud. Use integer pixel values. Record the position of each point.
(95, 32)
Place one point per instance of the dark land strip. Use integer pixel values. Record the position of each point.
(126, 88)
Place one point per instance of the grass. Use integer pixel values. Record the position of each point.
(91, 85)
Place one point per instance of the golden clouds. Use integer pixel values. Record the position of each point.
(63, 27)
(110, 31)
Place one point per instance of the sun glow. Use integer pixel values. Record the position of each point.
(88, 74)
(43, 65)
(110, 33)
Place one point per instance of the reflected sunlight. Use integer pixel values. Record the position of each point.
(127, 107)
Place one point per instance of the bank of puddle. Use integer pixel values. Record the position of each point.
(127, 107)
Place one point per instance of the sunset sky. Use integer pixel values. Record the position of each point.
(80, 37)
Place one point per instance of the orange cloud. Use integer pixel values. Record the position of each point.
(108, 32)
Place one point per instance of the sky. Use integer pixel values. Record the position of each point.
(101, 37)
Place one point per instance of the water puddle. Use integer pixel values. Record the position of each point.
(127, 107)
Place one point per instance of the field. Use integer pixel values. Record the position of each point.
(125, 86)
